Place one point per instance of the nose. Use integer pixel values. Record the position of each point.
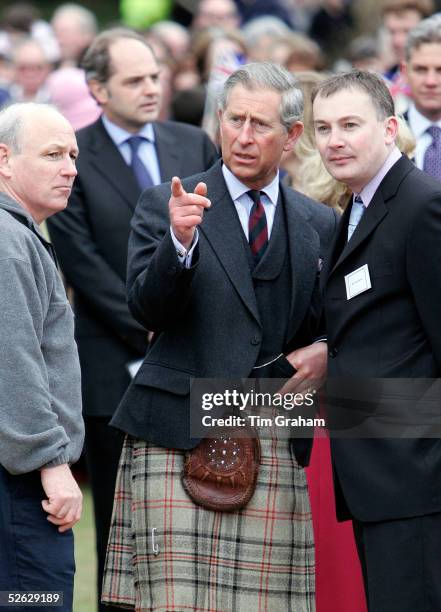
(151, 86)
(246, 133)
(69, 168)
(431, 78)
(335, 140)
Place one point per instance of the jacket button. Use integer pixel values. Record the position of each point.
(333, 353)
(255, 340)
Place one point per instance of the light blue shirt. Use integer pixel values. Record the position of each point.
(146, 152)
(418, 125)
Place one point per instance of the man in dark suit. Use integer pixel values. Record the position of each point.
(225, 292)
(121, 154)
(382, 293)
(422, 69)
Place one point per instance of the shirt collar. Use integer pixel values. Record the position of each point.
(120, 135)
(418, 122)
(368, 191)
(237, 189)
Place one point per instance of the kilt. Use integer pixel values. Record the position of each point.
(167, 553)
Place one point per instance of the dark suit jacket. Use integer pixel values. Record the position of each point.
(393, 330)
(206, 317)
(90, 239)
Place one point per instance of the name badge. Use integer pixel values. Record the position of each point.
(357, 282)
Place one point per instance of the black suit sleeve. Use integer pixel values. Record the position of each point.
(89, 274)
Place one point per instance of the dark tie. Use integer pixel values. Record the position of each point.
(432, 156)
(139, 170)
(257, 227)
(357, 211)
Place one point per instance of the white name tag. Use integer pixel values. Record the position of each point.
(357, 281)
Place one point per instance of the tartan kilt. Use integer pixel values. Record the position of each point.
(259, 559)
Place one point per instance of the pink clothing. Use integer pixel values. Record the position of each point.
(339, 583)
(69, 92)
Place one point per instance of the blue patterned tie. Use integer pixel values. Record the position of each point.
(432, 156)
(357, 211)
(140, 171)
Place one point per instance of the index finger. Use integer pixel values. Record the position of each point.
(176, 187)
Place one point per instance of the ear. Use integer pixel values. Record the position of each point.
(5, 159)
(99, 91)
(293, 135)
(391, 129)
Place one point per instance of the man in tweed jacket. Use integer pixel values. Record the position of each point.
(219, 307)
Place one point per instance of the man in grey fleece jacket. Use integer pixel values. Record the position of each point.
(41, 427)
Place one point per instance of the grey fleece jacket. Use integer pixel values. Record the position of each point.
(40, 395)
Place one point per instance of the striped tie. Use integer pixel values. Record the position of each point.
(257, 227)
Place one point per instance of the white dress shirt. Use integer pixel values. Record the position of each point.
(146, 151)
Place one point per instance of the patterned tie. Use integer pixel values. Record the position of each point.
(140, 171)
(357, 211)
(432, 156)
(257, 227)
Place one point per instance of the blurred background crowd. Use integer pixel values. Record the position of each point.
(198, 43)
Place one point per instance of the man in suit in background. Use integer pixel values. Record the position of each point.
(382, 285)
(122, 153)
(422, 69)
(225, 277)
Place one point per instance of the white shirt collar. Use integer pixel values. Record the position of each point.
(237, 189)
(119, 135)
(418, 123)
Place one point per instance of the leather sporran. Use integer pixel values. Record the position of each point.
(221, 473)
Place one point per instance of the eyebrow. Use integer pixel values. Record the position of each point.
(132, 77)
(58, 145)
(346, 118)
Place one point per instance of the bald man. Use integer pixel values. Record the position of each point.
(41, 428)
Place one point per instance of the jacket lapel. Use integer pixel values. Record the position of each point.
(222, 229)
(109, 162)
(375, 213)
(167, 149)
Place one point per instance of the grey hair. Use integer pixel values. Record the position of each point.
(86, 19)
(427, 31)
(266, 75)
(12, 118)
(267, 25)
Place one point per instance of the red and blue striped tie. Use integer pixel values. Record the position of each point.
(257, 227)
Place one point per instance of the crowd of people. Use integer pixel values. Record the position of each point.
(254, 195)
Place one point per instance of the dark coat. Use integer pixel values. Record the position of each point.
(392, 330)
(206, 318)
